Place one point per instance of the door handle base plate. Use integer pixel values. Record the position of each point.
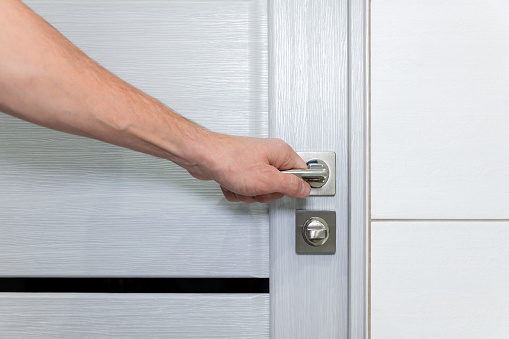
(329, 188)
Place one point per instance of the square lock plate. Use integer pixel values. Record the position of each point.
(329, 158)
(314, 221)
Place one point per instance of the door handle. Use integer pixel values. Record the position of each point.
(317, 173)
(320, 174)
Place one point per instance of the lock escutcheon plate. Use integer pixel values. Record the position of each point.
(307, 225)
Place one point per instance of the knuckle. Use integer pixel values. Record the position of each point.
(229, 195)
(265, 188)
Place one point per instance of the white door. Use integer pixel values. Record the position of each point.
(78, 208)
(439, 166)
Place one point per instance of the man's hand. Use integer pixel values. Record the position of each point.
(248, 169)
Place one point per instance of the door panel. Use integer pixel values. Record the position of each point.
(77, 207)
(42, 315)
(310, 84)
(439, 114)
(439, 280)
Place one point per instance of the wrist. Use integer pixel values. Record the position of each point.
(194, 149)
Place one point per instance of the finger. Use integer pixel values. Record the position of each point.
(291, 185)
(293, 161)
(284, 157)
(264, 198)
(229, 195)
(244, 198)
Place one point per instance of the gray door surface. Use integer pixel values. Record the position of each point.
(74, 207)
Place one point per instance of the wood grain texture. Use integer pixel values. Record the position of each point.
(308, 102)
(358, 162)
(440, 280)
(439, 109)
(77, 207)
(27, 315)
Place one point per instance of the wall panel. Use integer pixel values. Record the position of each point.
(439, 280)
(439, 116)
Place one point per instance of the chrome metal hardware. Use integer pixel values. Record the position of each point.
(321, 172)
(315, 232)
(316, 174)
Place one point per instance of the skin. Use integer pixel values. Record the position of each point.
(46, 80)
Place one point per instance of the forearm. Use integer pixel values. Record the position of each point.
(46, 80)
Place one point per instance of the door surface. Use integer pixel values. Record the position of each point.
(73, 207)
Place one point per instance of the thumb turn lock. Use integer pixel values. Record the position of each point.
(315, 231)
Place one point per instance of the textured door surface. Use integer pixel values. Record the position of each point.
(309, 293)
(73, 207)
(70, 315)
(78, 207)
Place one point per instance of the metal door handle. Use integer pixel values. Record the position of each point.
(316, 174)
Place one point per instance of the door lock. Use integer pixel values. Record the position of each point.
(320, 174)
(315, 232)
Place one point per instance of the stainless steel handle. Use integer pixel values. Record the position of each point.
(316, 174)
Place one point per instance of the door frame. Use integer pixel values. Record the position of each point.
(359, 168)
(321, 44)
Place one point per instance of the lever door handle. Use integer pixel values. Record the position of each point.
(316, 174)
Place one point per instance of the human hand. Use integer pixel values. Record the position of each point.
(248, 169)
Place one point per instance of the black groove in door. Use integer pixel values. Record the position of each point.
(135, 285)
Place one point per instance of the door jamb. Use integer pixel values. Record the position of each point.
(295, 31)
(358, 69)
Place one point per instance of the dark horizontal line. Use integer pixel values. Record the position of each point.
(135, 285)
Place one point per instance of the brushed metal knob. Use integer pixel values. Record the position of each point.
(315, 231)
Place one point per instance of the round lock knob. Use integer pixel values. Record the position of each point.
(315, 231)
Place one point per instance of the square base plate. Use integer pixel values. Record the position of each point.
(329, 158)
(301, 246)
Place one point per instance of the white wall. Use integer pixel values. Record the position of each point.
(439, 164)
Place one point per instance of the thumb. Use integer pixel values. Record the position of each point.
(292, 186)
